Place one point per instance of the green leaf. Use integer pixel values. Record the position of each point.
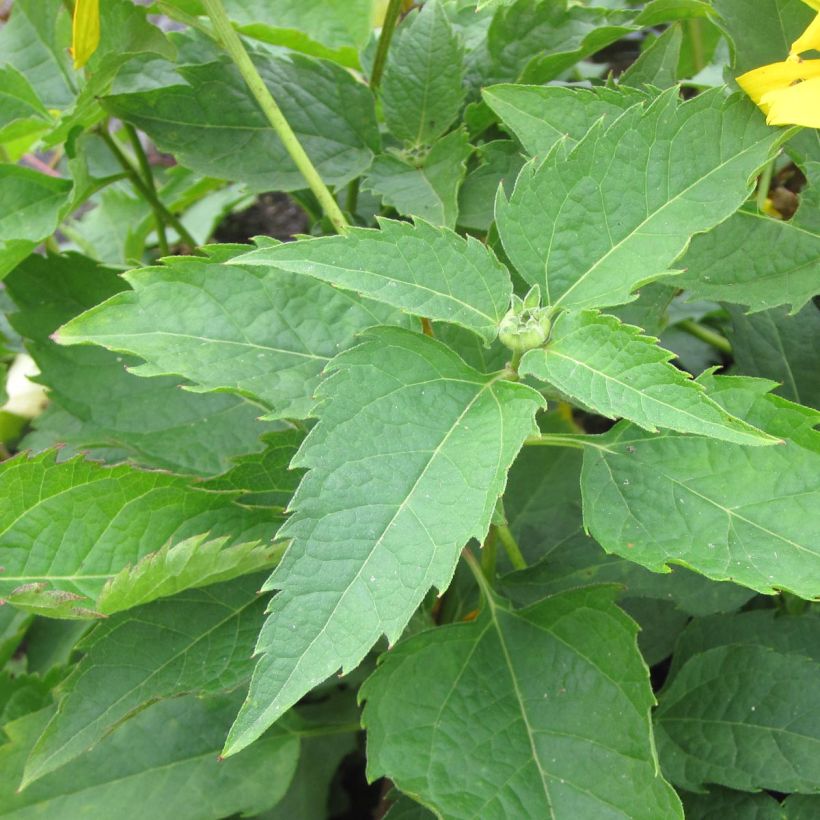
(650, 310)
(754, 260)
(66, 529)
(617, 372)
(658, 64)
(262, 333)
(405, 466)
(213, 125)
(499, 164)
(200, 641)
(618, 210)
(787, 634)
(426, 188)
(541, 116)
(560, 685)
(727, 511)
(422, 90)
(536, 40)
(193, 562)
(264, 478)
(13, 626)
(35, 41)
(424, 270)
(31, 206)
(721, 803)
(308, 798)
(125, 32)
(744, 717)
(335, 23)
(582, 562)
(765, 36)
(801, 806)
(666, 11)
(777, 346)
(150, 421)
(406, 809)
(162, 764)
(21, 112)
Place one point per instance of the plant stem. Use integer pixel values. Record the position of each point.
(763, 185)
(510, 545)
(144, 191)
(573, 440)
(233, 45)
(489, 554)
(478, 574)
(707, 335)
(148, 179)
(391, 17)
(696, 37)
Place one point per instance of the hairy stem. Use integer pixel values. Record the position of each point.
(148, 179)
(573, 440)
(233, 45)
(705, 334)
(144, 191)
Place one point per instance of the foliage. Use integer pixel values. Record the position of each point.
(495, 483)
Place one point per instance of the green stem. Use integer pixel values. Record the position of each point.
(148, 179)
(573, 440)
(489, 555)
(233, 45)
(511, 547)
(391, 17)
(707, 335)
(763, 185)
(696, 37)
(144, 191)
(478, 574)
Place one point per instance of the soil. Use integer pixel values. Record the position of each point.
(273, 214)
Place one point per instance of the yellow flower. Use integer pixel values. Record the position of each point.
(789, 92)
(85, 31)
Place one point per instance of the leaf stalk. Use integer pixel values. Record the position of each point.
(231, 42)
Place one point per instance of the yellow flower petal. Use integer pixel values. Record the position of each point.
(85, 31)
(809, 39)
(815, 4)
(758, 82)
(795, 105)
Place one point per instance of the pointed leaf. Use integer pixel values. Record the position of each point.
(162, 764)
(194, 562)
(559, 685)
(262, 333)
(199, 641)
(541, 116)
(617, 372)
(753, 260)
(658, 64)
(405, 466)
(730, 512)
(618, 210)
(422, 89)
(66, 529)
(152, 422)
(421, 269)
